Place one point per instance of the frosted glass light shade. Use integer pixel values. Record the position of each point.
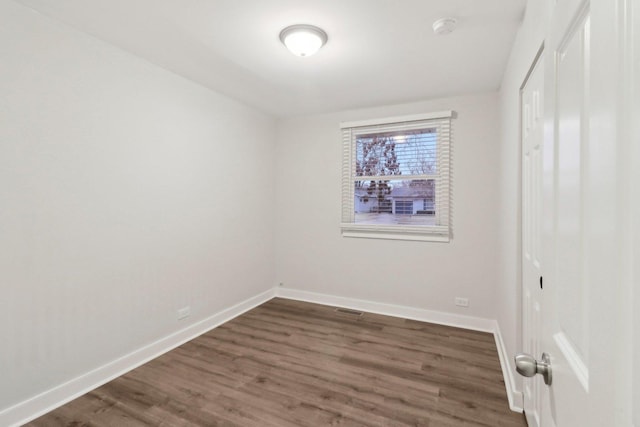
(303, 40)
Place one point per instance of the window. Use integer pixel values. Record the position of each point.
(395, 177)
(404, 207)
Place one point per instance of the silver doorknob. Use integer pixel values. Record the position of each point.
(528, 366)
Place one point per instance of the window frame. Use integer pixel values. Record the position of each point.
(351, 130)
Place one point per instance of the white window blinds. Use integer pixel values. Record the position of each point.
(396, 177)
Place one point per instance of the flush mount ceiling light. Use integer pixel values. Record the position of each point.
(303, 40)
(444, 26)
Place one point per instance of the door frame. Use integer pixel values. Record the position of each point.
(521, 332)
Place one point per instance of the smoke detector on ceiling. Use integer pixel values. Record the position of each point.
(444, 26)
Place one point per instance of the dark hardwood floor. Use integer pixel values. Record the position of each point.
(290, 363)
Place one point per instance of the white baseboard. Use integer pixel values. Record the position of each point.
(431, 316)
(449, 319)
(38, 405)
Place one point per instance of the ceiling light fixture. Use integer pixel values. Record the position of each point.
(444, 26)
(303, 40)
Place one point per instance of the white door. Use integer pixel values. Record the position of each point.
(580, 211)
(566, 299)
(532, 137)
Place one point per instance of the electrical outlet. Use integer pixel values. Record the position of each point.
(184, 312)
(462, 302)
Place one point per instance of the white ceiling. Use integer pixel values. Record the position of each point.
(379, 51)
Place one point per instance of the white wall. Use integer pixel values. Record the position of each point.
(313, 256)
(508, 292)
(126, 193)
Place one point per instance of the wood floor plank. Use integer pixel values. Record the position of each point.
(289, 363)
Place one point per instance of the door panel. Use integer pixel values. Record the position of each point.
(572, 140)
(566, 326)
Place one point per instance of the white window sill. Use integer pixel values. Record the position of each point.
(371, 232)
